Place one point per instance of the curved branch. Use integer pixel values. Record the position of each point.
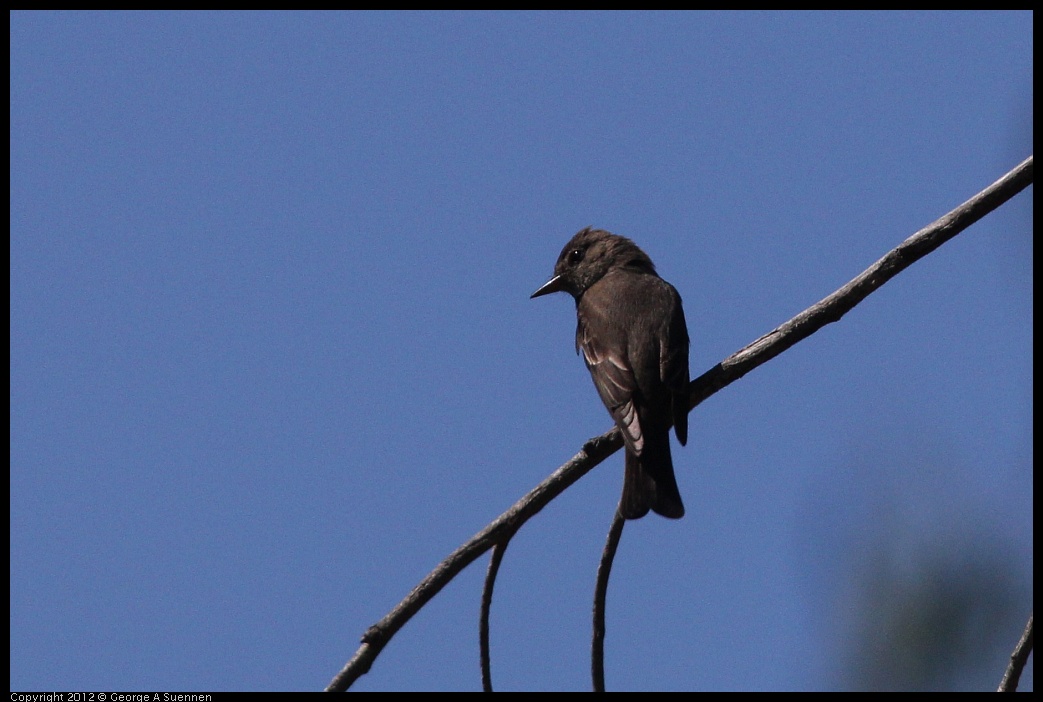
(594, 451)
(597, 646)
(487, 603)
(737, 365)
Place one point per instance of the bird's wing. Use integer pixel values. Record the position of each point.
(616, 384)
(673, 367)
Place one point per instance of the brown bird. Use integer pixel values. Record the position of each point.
(631, 330)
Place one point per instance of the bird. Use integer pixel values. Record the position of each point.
(631, 330)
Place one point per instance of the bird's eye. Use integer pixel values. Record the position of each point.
(575, 256)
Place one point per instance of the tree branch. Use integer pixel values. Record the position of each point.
(597, 647)
(1018, 659)
(596, 450)
(376, 637)
(487, 604)
(832, 308)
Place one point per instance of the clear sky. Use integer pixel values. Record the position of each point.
(273, 355)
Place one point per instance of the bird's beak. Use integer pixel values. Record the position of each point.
(553, 285)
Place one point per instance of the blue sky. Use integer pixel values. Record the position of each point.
(273, 354)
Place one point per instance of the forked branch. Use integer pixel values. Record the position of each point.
(595, 450)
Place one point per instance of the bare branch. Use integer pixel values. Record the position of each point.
(376, 637)
(723, 374)
(832, 308)
(597, 647)
(487, 603)
(1018, 659)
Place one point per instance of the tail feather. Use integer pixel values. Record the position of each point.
(649, 483)
(638, 489)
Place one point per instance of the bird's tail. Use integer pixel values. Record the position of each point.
(649, 483)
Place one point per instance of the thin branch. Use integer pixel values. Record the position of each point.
(487, 603)
(723, 374)
(377, 636)
(832, 308)
(1018, 659)
(597, 647)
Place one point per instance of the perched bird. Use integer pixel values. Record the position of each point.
(631, 330)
